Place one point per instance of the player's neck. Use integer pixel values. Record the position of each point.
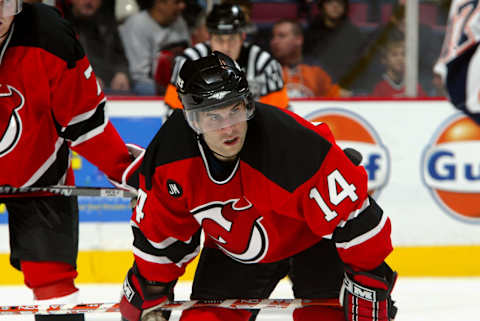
(219, 169)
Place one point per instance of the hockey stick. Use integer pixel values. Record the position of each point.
(270, 304)
(10, 191)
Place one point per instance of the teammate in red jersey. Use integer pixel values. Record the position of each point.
(274, 195)
(50, 102)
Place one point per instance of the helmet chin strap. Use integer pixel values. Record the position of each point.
(5, 35)
(225, 158)
(228, 158)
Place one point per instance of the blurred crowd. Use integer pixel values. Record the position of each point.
(326, 48)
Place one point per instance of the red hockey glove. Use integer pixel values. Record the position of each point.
(365, 296)
(137, 300)
(129, 180)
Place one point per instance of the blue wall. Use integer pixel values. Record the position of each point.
(137, 130)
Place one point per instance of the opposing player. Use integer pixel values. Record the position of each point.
(226, 24)
(50, 103)
(274, 195)
(459, 60)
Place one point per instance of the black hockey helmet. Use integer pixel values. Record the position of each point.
(226, 19)
(210, 83)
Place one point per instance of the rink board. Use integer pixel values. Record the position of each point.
(424, 174)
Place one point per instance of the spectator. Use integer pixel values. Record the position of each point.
(393, 84)
(196, 18)
(301, 80)
(226, 24)
(199, 31)
(439, 89)
(331, 40)
(362, 76)
(146, 33)
(98, 33)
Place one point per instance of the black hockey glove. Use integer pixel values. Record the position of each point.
(137, 300)
(354, 155)
(365, 296)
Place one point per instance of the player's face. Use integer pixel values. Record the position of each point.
(230, 44)
(9, 8)
(228, 139)
(5, 23)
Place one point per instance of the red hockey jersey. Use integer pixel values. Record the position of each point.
(290, 187)
(50, 102)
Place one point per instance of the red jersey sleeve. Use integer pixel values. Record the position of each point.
(79, 110)
(166, 236)
(336, 205)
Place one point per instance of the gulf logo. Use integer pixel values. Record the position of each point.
(451, 167)
(351, 130)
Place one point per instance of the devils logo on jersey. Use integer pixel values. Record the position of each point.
(11, 101)
(236, 228)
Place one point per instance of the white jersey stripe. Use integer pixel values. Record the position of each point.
(163, 259)
(94, 132)
(262, 60)
(45, 166)
(251, 71)
(85, 116)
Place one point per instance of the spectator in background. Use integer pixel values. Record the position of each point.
(196, 18)
(331, 40)
(97, 31)
(226, 25)
(146, 33)
(393, 84)
(199, 31)
(363, 75)
(301, 80)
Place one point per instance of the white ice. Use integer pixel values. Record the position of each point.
(418, 299)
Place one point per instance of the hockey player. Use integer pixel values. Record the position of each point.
(226, 24)
(273, 194)
(459, 59)
(50, 102)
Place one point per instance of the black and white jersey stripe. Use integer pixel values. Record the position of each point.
(168, 251)
(361, 225)
(84, 126)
